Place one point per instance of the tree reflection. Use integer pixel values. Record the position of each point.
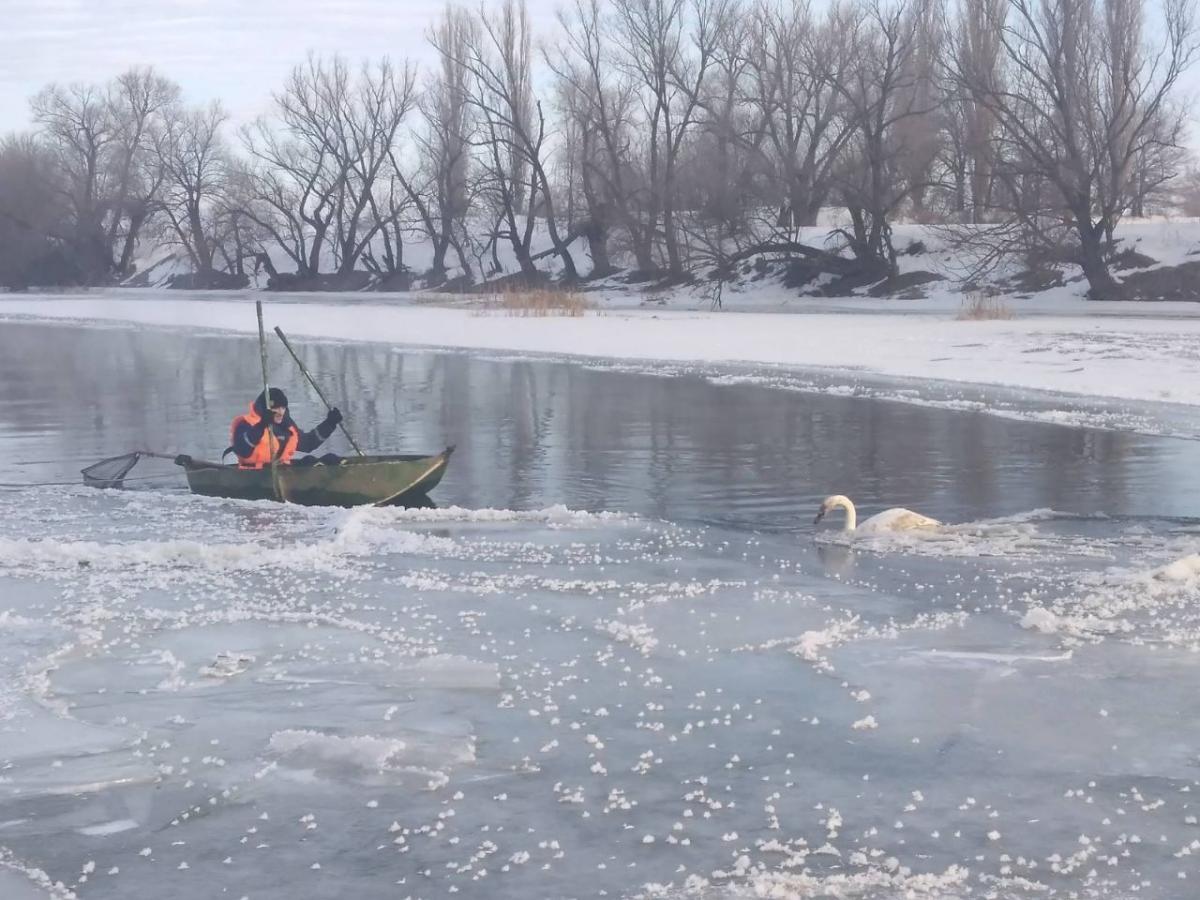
(534, 433)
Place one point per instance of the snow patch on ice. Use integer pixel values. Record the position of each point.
(1039, 619)
(360, 751)
(556, 515)
(19, 881)
(779, 885)
(116, 826)
(355, 537)
(1159, 603)
(374, 754)
(638, 635)
(1182, 571)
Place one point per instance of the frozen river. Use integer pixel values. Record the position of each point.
(617, 660)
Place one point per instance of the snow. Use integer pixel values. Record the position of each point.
(1040, 619)
(1127, 363)
(369, 753)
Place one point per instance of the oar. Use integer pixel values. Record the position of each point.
(269, 418)
(317, 388)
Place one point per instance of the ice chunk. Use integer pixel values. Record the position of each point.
(1184, 569)
(1039, 619)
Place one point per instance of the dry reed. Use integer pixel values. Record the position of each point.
(538, 302)
(980, 306)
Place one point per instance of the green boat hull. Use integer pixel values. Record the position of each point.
(373, 480)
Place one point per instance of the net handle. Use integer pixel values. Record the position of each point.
(118, 477)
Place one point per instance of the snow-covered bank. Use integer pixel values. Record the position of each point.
(1113, 361)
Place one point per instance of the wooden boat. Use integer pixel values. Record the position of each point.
(378, 480)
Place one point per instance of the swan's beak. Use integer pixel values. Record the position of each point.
(820, 515)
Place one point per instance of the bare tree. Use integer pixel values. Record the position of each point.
(141, 101)
(727, 133)
(439, 188)
(1187, 191)
(1154, 171)
(599, 101)
(312, 175)
(390, 204)
(1082, 95)
(195, 162)
(794, 64)
(77, 126)
(35, 221)
(670, 72)
(976, 50)
(364, 127)
(102, 138)
(920, 133)
(236, 236)
(287, 189)
(881, 93)
(586, 213)
(725, 177)
(513, 130)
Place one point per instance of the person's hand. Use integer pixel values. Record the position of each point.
(334, 417)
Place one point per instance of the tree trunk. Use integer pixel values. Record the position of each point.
(202, 250)
(441, 244)
(671, 238)
(136, 218)
(460, 251)
(312, 264)
(1101, 284)
(263, 260)
(597, 238)
(809, 212)
(349, 257)
(570, 273)
(524, 258)
(643, 249)
(981, 176)
(960, 193)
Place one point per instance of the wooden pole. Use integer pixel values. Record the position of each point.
(317, 388)
(269, 418)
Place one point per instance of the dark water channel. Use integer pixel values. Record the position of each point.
(532, 433)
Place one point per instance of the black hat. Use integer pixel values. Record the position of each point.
(278, 398)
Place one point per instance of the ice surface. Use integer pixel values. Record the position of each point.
(535, 696)
(207, 698)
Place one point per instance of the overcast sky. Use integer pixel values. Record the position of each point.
(237, 51)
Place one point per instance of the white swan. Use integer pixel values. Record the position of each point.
(895, 519)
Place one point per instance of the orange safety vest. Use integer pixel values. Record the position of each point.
(262, 452)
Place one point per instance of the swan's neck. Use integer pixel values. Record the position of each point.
(851, 514)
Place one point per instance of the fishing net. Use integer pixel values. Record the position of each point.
(111, 472)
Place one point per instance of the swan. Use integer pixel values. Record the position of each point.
(895, 519)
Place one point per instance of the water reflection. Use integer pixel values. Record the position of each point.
(533, 433)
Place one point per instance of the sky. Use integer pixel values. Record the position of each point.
(238, 51)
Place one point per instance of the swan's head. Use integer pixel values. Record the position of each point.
(829, 504)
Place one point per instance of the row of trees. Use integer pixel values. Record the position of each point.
(668, 135)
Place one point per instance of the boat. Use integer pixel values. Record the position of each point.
(398, 480)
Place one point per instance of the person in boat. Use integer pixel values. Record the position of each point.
(252, 445)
